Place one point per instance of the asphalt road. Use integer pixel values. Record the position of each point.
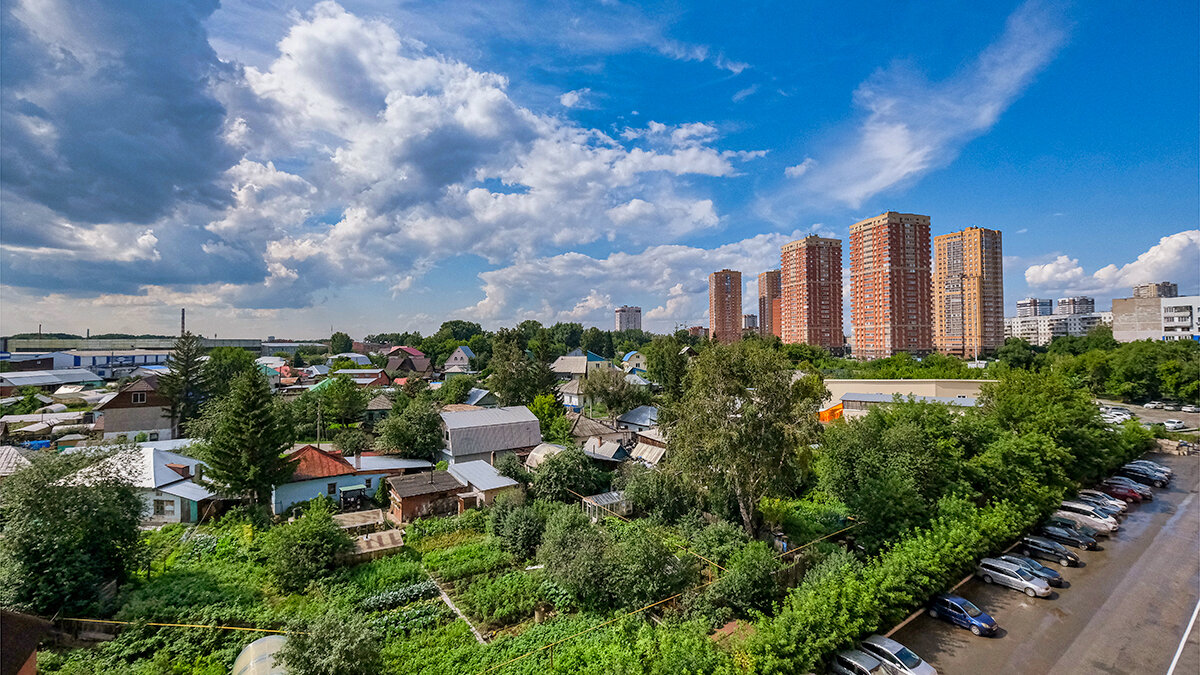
(1125, 611)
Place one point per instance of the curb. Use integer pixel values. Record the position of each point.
(955, 587)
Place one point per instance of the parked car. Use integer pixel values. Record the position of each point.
(1162, 468)
(1069, 537)
(1142, 489)
(1048, 549)
(1118, 491)
(896, 655)
(1174, 425)
(1171, 405)
(1119, 409)
(1098, 497)
(1140, 475)
(963, 613)
(1146, 468)
(1099, 514)
(1152, 404)
(854, 662)
(1068, 524)
(1035, 568)
(1012, 575)
(1190, 408)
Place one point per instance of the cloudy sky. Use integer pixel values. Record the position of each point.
(284, 167)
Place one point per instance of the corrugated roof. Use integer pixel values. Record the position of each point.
(431, 482)
(476, 395)
(11, 460)
(570, 387)
(605, 450)
(52, 418)
(650, 454)
(636, 380)
(643, 415)
(45, 378)
(628, 356)
(480, 475)
(963, 401)
(313, 463)
(486, 417)
(575, 365)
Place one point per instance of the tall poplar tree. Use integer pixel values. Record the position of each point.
(244, 446)
(184, 385)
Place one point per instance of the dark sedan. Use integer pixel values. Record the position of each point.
(1046, 549)
(1069, 537)
(1143, 476)
(1035, 568)
(1066, 524)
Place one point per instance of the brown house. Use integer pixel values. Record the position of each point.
(424, 494)
(404, 362)
(137, 407)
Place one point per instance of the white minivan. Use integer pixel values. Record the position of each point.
(1107, 522)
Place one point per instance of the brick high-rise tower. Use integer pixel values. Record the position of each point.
(725, 306)
(769, 303)
(812, 292)
(890, 285)
(968, 292)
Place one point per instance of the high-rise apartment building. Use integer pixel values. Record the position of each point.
(769, 306)
(1035, 307)
(811, 289)
(628, 318)
(725, 306)
(1163, 289)
(1080, 304)
(968, 292)
(890, 285)
(750, 323)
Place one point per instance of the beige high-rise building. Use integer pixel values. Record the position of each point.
(812, 292)
(968, 292)
(725, 306)
(889, 285)
(769, 303)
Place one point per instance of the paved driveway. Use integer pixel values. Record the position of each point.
(1124, 612)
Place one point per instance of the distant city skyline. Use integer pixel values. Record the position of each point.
(280, 168)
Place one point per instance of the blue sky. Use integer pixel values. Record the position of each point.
(279, 168)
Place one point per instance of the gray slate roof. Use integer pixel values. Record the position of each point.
(962, 401)
(44, 378)
(643, 415)
(480, 475)
(11, 460)
(416, 484)
(476, 395)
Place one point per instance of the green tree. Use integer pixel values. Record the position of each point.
(743, 424)
(64, 538)
(244, 445)
(566, 472)
(516, 378)
(1016, 353)
(340, 343)
(184, 384)
(658, 494)
(351, 441)
(223, 366)
(666, 366)
(415, 433)
(644, 568)
(343, 402)
(598, 342)
(456, 389)
(749, 585)
(335, 643)
(298, 360)
(306, 550)
(28, 403)
(609, 387)
(574, 551)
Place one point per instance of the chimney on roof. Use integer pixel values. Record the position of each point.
(358, 460)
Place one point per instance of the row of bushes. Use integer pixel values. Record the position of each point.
(399, 597)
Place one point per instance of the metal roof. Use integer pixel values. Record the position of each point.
(476, 395)
(11, 460)
(487, 417)
(415, 484)
(629, 355)
(643, 415)
(466, 350)
(606, 498)
(480, 475)
(43, 378)
(650, 454)
(963, 401)
(389, 462)
(636, 380)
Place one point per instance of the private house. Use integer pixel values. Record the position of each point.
(320, 472)
(459, 360)
(377, 409)
(314, 372)
(166, 481)
(11, 461)
(634, 360)
(689, 352)
(607, 453)
(584, 428)
(409, 360)
(418, 495)
(487, 433)
(137, 408)
(47, 380)
(483, 479)
(578, 364)
(359, 359)
(639, 419)
(571, 393)
(482, 398)
(637, 380)
(365, 377)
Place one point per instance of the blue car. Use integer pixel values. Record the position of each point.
(963, 613)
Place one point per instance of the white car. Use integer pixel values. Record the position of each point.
(1108, 501)
(1152, 404)
(1190, 408)
(1174, 425)
(1090, 511)
(892, 653)
(1099, 526)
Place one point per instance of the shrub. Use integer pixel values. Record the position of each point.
(467, 560)
(335, 644)
(503, 600)
(411, 619)
(399, 597)
(385, 574)
(301, 552)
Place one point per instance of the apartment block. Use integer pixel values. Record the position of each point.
(1163, 289)
(769, 306)
(1035, 307)
(750, 323)
(725, 306)
(1080, 304)
(628, 318)
(1041, 330)
(1162, 318)
(968, 292)
(890, 294)
(811, 290)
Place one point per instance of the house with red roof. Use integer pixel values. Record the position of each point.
(326, 472)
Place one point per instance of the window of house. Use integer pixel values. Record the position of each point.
(154, 435)
(164, 507)
(332, 488)
(139, 397)
(367, 482)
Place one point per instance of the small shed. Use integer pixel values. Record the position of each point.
(606, 504)
(482, 478)
(423, 494)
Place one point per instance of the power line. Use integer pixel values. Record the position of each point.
(185, 625)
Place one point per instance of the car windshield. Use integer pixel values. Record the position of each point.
(909, 659)
(971, 610)
(1021, 572)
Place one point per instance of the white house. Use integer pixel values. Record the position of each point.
(459, 360)
(166, 481)
(634, 360)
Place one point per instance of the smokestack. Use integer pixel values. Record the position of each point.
(182, 321)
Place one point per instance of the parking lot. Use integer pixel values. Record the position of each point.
(1125, 611)
(1158, 416)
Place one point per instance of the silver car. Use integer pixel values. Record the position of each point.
(996, 571)
(896, 655)
(854, 662)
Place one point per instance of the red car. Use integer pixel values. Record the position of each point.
(1129, 495)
